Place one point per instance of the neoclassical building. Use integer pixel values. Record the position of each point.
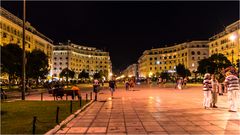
(79, 58)
(11, 32)
(131, 71)
(166, 59)
(227, 42)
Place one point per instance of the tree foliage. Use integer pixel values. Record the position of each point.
(37, 64)
(98, 75)
(11, 57)
(165, 75)
(213, 64)
(182, 71)
(83, 74)
(67, 73)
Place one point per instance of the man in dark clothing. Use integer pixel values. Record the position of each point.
(112, 86)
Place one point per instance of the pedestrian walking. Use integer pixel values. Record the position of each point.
(214, 91)
(207, 91)
(179, 84)
(176, 82)
(112, 86)
(164, 82)
(127, 85)
(159, 81)
(102, 83)
(185, 82)
(132, 84)
(232, 85)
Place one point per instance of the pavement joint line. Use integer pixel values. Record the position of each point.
(68, 119)
(95, 117)
(139, 118)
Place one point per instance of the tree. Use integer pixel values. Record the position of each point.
(165, 75)
(98, 75)
(11, 56)
(205, 66)
(67, 72)
(213, 64)
(83, 74)
(182, 71)
(37, 65)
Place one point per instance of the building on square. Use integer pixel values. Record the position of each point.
(79, 58)
(11, 32)
(131, 71)
(166, 59)
(227, 42)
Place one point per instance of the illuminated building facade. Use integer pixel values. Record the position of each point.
(227, 42)
(131, 71)
(166, 59)
(79, 58)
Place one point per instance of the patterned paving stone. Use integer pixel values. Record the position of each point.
(154, 111)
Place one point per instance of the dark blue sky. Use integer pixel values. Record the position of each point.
(126, 29)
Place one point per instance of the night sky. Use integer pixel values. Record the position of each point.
(126, 29)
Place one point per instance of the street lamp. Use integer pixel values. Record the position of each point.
(24, 54)
(232, 39)
(68, 61)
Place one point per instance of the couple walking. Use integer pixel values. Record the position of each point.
(210, 90)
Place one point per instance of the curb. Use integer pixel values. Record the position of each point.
(68, 119)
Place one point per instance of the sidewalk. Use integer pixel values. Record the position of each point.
(154, 111)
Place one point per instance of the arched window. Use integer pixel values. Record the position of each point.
(193, 53)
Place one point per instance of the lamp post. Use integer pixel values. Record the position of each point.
(68, 61)
(24, 54)
(232, 56)
(232, 39)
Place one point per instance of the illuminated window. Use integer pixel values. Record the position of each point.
(193, 65)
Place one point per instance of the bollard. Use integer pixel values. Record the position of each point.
(90, 95)
(57, 114)
(34, 125)
(73, 94)
(71, 106)
(86, 97)
(80, 101)
(41, 96)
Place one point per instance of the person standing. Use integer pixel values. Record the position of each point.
(127, 85)
(207, 91)
(232, 85)
(185, 82)
(214, 93)
(159, 81)
(112, 86)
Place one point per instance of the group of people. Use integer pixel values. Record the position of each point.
(162, 82)
(211, 88)
(181, 82)
(129, 84)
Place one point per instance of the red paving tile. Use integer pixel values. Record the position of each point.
(154, 111)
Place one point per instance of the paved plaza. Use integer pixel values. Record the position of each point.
(154, 111)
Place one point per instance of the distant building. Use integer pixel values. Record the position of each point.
(166, 59)
(227, 42)
(131, 71)
(79, 58)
